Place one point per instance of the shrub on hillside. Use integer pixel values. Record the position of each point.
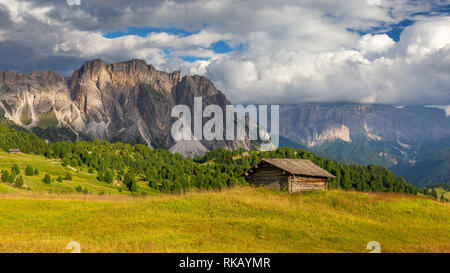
(29, 171)
(177, 186)
(166, 186)
(47, 179)
(153, 183)
(7, 177)
(19, 182)
(434, 193)
(80, 189)
(15, 170)
(68, 177)
(109, 176)
(130, 181)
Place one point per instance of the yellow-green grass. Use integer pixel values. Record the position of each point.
(54, 167)
(441, 191)
(46, 217)
(236, 220)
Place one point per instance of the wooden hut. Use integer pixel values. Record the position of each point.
(14, 151)
(292, 174)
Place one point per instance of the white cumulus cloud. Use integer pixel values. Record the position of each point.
(288, 51)
(375, 43)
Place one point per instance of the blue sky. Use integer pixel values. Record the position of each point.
(393, 31)
(144, 31)
(219, 47)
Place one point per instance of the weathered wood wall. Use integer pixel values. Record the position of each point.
(269, 176)
(299, 183)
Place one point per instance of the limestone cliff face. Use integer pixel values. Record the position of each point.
(332, 132)
(363, 123)
(408, 133)
(128, 101)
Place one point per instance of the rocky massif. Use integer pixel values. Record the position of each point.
(397, 137)
(407, 126)
(128, 101)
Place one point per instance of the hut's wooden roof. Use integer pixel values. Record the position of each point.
(297, 167)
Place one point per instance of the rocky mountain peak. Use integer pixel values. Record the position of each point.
(127, 101)
(7, 75)
(92, 69)
(47, 75)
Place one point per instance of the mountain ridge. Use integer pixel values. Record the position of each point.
(402, 138)
(401, 130)
(127, 101)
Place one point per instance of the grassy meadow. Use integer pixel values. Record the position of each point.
(45, 218)
(80, 177)
(236, 220)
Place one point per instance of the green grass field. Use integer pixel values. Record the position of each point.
(47, 217)
(54, 168)
(236, 220)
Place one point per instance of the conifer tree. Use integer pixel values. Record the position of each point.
(29, 171)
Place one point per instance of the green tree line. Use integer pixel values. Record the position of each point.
(168, 172)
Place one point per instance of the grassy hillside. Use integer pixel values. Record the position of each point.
(235, 220)
(80, 177)
(44, 218)
(109, 217)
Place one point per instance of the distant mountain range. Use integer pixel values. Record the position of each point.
(131, 102)
(399, 137)
(128, 101)
(434, 169)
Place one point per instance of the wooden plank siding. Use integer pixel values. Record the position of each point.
(298, 183)
(269, 176)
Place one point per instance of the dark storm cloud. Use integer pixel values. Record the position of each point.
(104, 15)
(5, 20)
